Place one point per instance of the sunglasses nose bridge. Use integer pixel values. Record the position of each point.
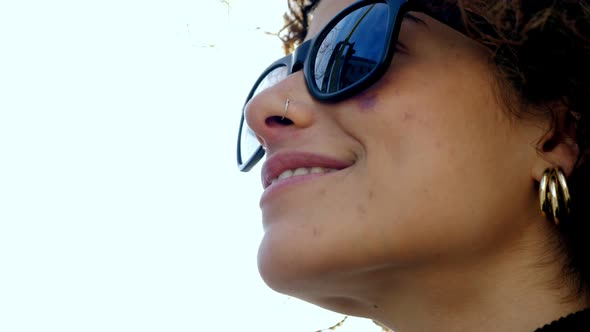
(299, 56)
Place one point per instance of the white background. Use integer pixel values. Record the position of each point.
(121, 206)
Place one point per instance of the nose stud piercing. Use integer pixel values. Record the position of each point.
(286, 109)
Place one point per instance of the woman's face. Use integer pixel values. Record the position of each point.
(437, 174)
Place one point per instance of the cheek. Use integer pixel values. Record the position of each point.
(370, 100)
(367, 102)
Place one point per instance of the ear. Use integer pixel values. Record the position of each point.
(558, 147)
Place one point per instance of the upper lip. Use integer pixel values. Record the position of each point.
(282, 161)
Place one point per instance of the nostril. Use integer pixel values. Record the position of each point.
(278, 121)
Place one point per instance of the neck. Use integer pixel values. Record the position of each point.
(504, 292)
(454, 302)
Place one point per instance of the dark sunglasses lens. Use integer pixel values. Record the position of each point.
(351, 50)
(248, 144)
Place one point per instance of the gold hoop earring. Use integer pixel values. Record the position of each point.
(554, 195)
(286, 109)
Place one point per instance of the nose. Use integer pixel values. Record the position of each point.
(280, 112)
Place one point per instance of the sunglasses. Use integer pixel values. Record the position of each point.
(352, 52)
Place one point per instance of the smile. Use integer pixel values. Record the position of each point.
(302, 171)
(289, 164)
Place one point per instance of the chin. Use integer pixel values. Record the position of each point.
(281, 267)
(287, 270)
(296, 266)
(309, 282)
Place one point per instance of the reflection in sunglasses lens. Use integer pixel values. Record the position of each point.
(352, 49)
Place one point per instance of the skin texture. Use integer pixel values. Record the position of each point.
(436, 224)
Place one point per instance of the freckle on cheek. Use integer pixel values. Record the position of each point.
(316, 232)
(408, 116)
(362, 210)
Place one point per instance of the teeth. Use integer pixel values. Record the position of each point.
(303, 171)
(286, 174)
(317, 170)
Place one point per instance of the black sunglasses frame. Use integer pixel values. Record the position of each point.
(303, 58)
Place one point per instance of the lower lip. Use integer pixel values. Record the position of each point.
(280, 185)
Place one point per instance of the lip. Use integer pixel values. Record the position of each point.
(282, 161)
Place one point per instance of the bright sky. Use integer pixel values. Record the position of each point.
(121, 206)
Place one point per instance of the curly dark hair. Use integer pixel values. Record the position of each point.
(541, 49)
(296, 23)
